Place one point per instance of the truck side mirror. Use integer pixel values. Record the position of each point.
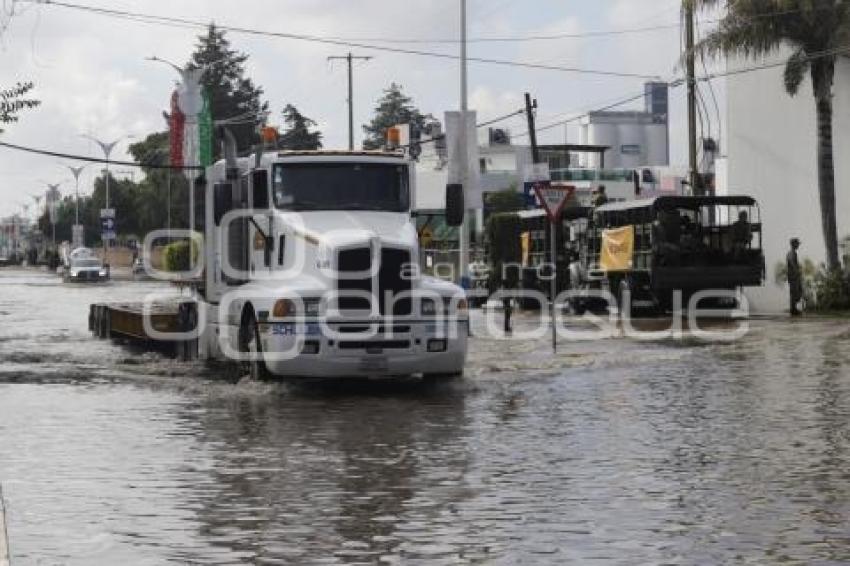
(222, 201)
(455, 206)
(260, 183)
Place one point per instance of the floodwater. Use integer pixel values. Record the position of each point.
(616, 451)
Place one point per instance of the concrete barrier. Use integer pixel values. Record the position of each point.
(4, 535)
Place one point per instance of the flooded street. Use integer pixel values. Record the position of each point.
(615, 451)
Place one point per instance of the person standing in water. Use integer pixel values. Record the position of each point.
(795, 276)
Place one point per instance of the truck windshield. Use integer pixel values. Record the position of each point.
(341, 186)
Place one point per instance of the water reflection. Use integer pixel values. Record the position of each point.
(319, 468)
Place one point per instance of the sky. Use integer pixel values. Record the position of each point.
(92, 76)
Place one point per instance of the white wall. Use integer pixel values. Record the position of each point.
(771, 150)
(628, 130)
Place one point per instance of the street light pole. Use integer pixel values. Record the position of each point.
(191, 81)
(107, 148)
(52, 194)
(76, 171)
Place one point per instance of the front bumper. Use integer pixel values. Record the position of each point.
(352, 349)
(84, 276)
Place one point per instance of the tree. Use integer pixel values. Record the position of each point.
(298, 134)
(508, 200)
(814, 30)
(232, 95)
(151, 195)
(394, 107)
(13, 100)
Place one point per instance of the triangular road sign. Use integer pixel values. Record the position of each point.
(553, 198)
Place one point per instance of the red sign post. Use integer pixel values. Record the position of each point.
(553, 198)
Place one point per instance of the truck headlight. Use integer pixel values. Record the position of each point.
(283, 308)
(288, 307)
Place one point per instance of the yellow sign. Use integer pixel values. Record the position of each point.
(426, 237)
(618, 246)
(525, 242)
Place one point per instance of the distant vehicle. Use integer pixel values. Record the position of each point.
(138, 267)
(5, 260)
(82, 265)
(653, 247)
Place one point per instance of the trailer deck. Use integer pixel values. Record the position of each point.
(126, 322)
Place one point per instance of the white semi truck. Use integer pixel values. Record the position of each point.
(310, 269)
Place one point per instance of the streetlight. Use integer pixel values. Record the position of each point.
(107, 148)
(190, 105)
(51, 200)
(76, 171)
(190, 79)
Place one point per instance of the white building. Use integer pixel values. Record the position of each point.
(770, 151)
(636, 138)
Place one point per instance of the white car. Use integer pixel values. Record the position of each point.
(84, 266)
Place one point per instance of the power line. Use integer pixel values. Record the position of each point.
(142, 164)
(168, 20)
(516, 38)
(97, 159)
(677, 82)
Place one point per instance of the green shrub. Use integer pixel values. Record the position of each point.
(832, 290)
(176, 256)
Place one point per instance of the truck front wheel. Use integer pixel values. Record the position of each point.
(250, 344)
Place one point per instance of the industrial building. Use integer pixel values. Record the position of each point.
(635, 138)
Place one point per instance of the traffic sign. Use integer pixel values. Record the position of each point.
(107, 228)
(553, 198)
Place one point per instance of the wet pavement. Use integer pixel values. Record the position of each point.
(615, 451)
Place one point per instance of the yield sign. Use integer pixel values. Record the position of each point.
(553, 198)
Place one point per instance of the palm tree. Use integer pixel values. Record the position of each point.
(816, 32)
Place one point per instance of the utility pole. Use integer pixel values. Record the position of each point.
(532, 132)
(350, 59)
(530, 106)
(464, 155)
(690, 56)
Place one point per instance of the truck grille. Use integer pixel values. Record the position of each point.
(355, 266)
(355, 261)
(394, 278)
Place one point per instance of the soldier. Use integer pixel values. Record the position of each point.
(742, 232)
(795, 276)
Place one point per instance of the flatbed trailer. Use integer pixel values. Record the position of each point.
(127, 322)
